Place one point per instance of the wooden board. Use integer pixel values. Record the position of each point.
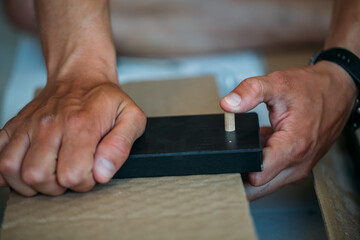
(189, 145)
(337, 187)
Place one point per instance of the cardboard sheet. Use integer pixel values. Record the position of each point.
(191, 207)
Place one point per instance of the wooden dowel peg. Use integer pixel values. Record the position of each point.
(229, 119)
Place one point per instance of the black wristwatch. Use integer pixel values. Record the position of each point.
(351, 63)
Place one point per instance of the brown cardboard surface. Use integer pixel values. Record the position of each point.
(191, 207)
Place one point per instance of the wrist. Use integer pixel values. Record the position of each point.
(345, 88)
(343, 63)
(76, 39)
(337, 74)
(82, 55)
(83, 67)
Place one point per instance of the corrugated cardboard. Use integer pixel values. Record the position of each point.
(191, 207)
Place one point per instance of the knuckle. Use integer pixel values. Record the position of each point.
(277, 76)
(253, 86)
(119, 145)
(8, 167)
(18, 132)
(301, 148)
(140, 117)
(11, 124)
(4, 139)
(71, 177)
(138, 113)
(14, 126)
(35, 176)
(76, 121)
(46, 120)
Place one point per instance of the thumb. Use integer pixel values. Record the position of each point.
(247, 95)
(115, 147)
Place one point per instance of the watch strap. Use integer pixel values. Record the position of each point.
(350, 63)
(343, 57)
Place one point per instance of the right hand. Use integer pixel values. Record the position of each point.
(74, 134)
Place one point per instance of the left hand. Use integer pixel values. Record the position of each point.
(308, 109)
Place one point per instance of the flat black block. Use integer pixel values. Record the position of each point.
(195, 145)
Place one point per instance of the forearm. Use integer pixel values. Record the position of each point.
(188, 26)
(164, 28)
(76, 39)
(345, 26)
(345, 32)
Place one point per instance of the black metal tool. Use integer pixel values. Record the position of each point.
(195, 145)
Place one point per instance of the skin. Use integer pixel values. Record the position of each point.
(308, 108)
(181, 27)
(80, 129)
(168, 28)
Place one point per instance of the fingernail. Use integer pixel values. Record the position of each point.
(233, 99)
(105, 167)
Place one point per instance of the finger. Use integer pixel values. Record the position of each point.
(115, 147)
(10, 127)
(76, 156)
(4, 140)
(276, 157)
(265, 133)
(256, 192)
(287, 176)
(247, 95)
(39, 166)
(10, 163)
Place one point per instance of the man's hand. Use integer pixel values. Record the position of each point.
(69, 137)
(308, 108)
(81, 127)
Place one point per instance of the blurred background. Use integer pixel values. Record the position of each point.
(230, 40)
